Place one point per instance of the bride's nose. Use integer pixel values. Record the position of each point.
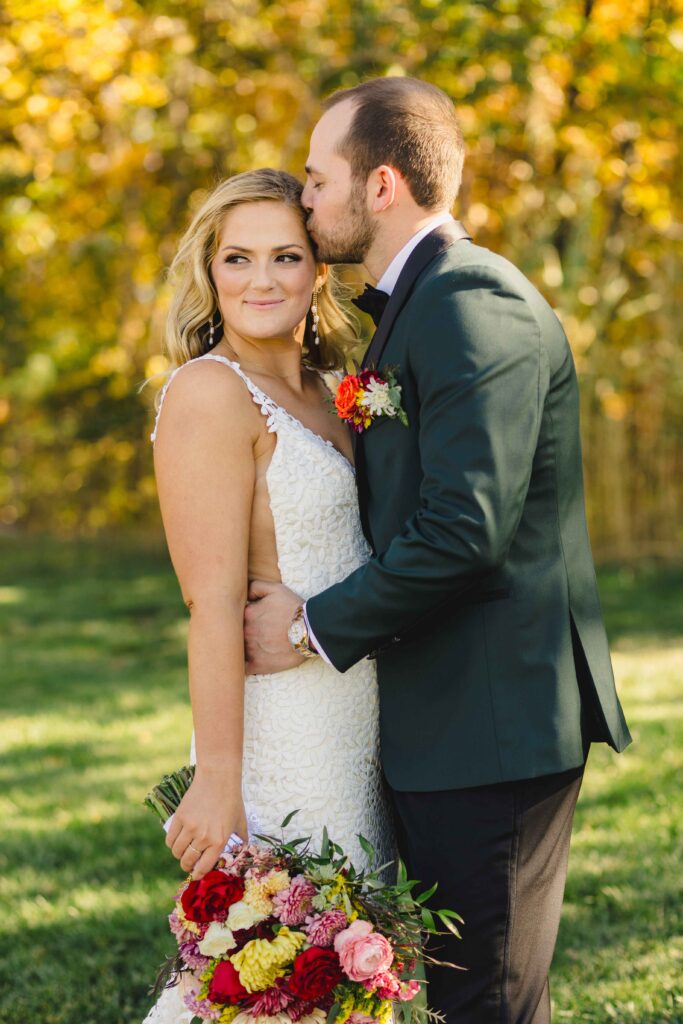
(263, 277)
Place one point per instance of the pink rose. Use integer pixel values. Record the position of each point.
(360, 1018)
(363, 952)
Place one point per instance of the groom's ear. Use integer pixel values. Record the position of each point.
(383, 186)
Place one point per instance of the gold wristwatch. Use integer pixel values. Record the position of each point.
(297, 634)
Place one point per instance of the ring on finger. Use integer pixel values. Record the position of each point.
(191, 847)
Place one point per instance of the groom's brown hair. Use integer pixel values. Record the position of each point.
(407, 124)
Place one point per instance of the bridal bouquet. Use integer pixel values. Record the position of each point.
(277, 933)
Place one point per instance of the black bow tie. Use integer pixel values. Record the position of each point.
(372, 301)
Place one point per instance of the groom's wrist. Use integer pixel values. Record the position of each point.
(299, 636)
(313, 640)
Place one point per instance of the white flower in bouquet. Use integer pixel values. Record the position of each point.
(316, 1016)
(377, 399)
(242, 915)
(218, 940)
(276, 1018)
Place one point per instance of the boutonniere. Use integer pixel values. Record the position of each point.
(364, 396)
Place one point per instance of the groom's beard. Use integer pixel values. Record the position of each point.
(350, 241)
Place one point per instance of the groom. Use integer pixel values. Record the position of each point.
(480, 603)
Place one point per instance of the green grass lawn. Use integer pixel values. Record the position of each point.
(93, 710)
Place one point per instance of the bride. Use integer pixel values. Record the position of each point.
(255, 480)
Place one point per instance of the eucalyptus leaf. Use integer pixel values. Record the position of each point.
(424, 896)
(289, 817)
(367, 848)
(449, 925)
(451, 913)
(428, 919)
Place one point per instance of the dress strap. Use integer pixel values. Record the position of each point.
(268, 407)
(153, 435)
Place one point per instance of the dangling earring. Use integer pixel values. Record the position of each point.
(315, 317)
(212, 330)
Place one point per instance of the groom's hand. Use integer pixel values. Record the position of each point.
(266, 621)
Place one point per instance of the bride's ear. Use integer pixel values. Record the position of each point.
(322, 273)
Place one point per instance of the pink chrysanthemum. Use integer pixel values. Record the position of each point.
(202, 1008)
(272, 1001)
(195, 960)
(293, 904)
(321, 928)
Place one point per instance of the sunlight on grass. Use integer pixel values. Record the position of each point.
(95, 710)
(620, 952)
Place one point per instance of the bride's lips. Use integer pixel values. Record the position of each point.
(265, 304)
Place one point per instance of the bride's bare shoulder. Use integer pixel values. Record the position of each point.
(207, 400)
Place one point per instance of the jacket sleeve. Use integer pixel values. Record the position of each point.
(481, 378)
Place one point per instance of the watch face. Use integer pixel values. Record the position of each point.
(297, 632)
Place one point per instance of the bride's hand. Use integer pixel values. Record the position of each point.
(211, 810)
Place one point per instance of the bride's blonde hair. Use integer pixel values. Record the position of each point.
(194, 305)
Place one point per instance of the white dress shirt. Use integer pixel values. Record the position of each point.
(387, 283)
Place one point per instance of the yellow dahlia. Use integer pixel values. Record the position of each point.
(256, 897)
(257, 892)
(262, 961)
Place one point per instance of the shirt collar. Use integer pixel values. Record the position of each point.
(387, 281)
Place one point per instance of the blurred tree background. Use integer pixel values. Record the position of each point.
(116, 115)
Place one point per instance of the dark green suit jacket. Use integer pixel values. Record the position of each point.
(480, 604)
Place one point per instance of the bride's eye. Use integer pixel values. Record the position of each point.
(234, 257)
(289, 257)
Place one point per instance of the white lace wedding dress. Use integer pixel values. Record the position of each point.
(311, 736)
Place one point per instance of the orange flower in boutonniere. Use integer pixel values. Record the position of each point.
(363, 397)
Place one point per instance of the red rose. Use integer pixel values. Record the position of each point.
(368, 377)
(316, 972)
(210, 898)
(345, 399)
(226, 986)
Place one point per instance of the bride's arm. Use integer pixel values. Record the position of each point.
(204, 464)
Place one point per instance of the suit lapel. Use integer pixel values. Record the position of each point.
(431, 246)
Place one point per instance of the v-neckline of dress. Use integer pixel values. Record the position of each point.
(281, 409)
